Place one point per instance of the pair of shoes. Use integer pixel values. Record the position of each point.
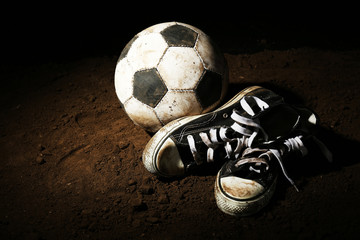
(250, 136)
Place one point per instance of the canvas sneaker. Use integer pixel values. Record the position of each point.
(245, 185)
(255, 115)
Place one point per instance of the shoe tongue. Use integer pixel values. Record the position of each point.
(242, 171)
(231, 134)
(279, 121)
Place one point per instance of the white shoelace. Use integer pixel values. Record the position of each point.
(248, 135)
(240, 123)
(292, 144)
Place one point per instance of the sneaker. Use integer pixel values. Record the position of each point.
(244, 121)
(245, 185)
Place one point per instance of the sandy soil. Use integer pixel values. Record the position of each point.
(71, 159)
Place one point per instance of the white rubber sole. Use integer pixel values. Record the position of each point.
(241, 208)
(150, 153)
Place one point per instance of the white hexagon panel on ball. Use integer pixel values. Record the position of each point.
(181, 68)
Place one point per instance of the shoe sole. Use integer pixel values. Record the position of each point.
(241, 208)
(153, 146)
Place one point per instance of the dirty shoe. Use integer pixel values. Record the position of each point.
(244, 185)
(244, 121)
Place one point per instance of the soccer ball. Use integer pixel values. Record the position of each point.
(168, 71)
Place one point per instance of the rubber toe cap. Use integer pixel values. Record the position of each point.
(168, 160)
(241, 188)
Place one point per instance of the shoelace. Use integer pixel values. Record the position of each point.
(240, 123)
(291, 144)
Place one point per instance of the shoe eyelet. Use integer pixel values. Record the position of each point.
(225, 115)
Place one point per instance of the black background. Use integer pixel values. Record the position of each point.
(32, 34)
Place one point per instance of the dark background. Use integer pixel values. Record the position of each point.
(60, 32)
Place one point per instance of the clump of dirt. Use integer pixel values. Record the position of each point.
(71, 159)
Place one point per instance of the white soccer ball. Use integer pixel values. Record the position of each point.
(168, 71)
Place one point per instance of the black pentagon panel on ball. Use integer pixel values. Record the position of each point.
(209, 88)
(149, 87)
(126, 48)
(179, 36)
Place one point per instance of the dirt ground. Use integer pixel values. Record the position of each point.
(71, 158)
